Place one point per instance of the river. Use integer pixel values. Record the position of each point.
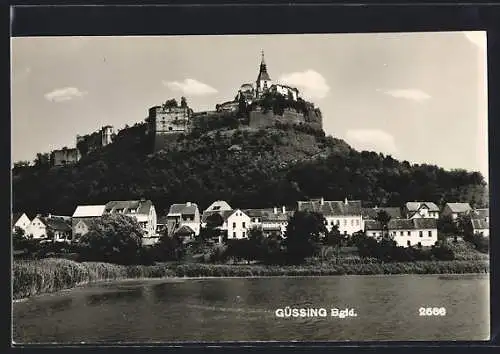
(244, 309)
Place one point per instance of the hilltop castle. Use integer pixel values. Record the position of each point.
(258, 105)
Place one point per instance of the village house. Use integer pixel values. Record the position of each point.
(20, 220)
(421, 210)
(454, 210)
(483, 214)
(216, 207)
(481, 227)
(184, 217)
(406, 232)
(236, 224)
(142, 210)
(347, 215)
(58, 227)
(272, 221)
(83, 217)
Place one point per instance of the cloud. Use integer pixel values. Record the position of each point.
(372, 140)
(477, 37)
(64, 94)
(311, 83)
(410, 94)
(190, 87)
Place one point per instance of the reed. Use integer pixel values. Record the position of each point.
(51, 274)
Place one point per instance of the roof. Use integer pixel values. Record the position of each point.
(185, 208)
(414, 206)
(268, 214)
(478, 224)
(481, 213)
(184, 230)
(85, 211)
(162, 219)
(15, 217)
(407, 224)
(335, 208)
(459, 207)
(219, 205)
(394, 212)
(57, 224)
(372, 225)
(142, 206)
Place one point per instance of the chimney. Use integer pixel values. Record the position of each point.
(275, 210)
(322, 201)
(345, 201)
(188, 203)
(283, 209)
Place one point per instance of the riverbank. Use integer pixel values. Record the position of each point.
(52, 274)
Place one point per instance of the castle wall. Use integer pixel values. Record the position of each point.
(259, 119)
(65, 157)
(164, 139)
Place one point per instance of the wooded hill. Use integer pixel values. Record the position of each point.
(246, 167)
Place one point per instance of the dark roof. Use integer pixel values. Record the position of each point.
(143, 206)
(267, 214)
(162, 219)
(480, 224)
(184, 230)
(58, 224)
(353, 207)
(414, 206)
(372, 225)
(183, 209)
(407, 224)
(371, 213)
(459, 207)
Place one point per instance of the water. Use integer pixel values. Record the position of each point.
(243, 309)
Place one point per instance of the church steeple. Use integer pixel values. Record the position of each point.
(263, 75)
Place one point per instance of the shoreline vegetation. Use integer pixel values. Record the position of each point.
(36, 277)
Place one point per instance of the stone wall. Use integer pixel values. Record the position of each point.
(259, 119)
(164, 139)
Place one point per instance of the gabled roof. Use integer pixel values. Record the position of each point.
(142, 206)
(459, 207)
(409, 224)
(480, 213)
(372, 225)
(16, 216)
(86, 211)
(184, 230)
(268, 214)
(371, 213)
(183, 209)
(414, 206)
(479, 224)
(219, 205)
(331, 208)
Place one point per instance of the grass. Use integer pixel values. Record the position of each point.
(51, 274)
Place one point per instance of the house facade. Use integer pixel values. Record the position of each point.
(60, 227)
(413, 232)
(373, 229)
(414, 210)
(83, 217)
(272, 221)
(347, 215)
(454, 210)
(236, 224)
(481, 227)
(22, 221)
(185, 214)
(142, 210)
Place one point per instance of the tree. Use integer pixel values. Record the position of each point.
(18, 238)
(303, 234)
(256, 243)
(172, 103)
(184, 102)
(446, 225)
(464, 226)
(115, 238)
(42, 160)
(21, 164)
(170, 247)
(334, 239)
(383, 218)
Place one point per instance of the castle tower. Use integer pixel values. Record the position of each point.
(263, 80)
(106, 135)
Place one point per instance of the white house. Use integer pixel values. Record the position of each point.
(22, 221)
(83, 217)
(60, 227)
(347, 214)
(456, 209)
(236, 224)
(184, 214)
(413, 232)
(142, 210)
(216, 207)
(481, 227)
(421, 210)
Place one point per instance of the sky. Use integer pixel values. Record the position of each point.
(420, 97)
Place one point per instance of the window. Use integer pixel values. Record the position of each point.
(357, 222)
(331, 222)
(430, 233)
(169, 128)
(352, 222)
(244, 234)
(421, 233)
(408, 243)
(234, 234)
(345, 222)
(401, 233)
(338, 222)
(234, 225)
(243, 227)
(409, 233)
